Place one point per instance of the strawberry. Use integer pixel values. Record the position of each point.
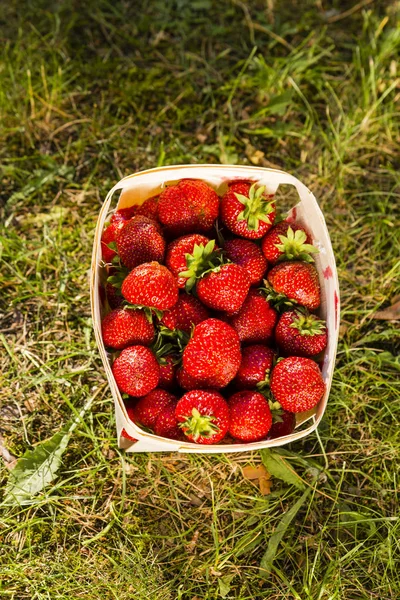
(167, 425)
(136, 371)
(249, 256)
(124, 214)
(167, 373)
(284, 425)
(152, 285)
(300, 334)
(188, 311)
(297, 384)
(224, 288)
(109, 236)
(149, 208)
(247, 210)
(297, 281)
(203, 416)
(255, 321)
(251, 417)
(175, 258)
(148, 408)
(255, 367)
(188, 206)
(213, 353)
(125, 327)
(140, 241)
(287, 241)
(189, 382)
(114, 296)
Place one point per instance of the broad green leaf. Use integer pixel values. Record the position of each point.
(278, 467)
(224, 584)
(276, 537)
(36, 469)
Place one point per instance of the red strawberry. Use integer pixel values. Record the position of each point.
(300, 334)
(124, 214)
(167, 373)
(188, 311)
(297, 384)
(298, 281)
(125, 327)
(289, 241)
(251, 417)
(109, 236)
(249, 256)
(255, 367)
(256, 319)
(166, 424)
(224, 288)
(247, 210)
(188, 382)
(140, 241)
(203, 415)
(284, 425)
(188, 206)
(175, 258)
(149, 208)
(152, 285)
(148, 408)
(213, 353)
(136, 371)
(114, 296)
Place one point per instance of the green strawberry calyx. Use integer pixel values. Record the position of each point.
(276, 410)
(293, 246)
(263, 386)
(278, 300)
(307, 324)
(203, 259)
(198, 425)
(169, 342)
(257, 207)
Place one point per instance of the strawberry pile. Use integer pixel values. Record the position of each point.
(211, 322)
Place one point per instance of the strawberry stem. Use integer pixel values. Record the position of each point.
(293, 246)
(308, 325)
(256, 207)
(198, 425)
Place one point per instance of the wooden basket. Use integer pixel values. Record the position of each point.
(135, 189)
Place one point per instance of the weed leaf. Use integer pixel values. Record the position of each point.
(278, 467)
(36, 469)
(276, 537)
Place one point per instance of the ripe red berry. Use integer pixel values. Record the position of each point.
(298, 281)
(247, 210)
(149, 208)
(188, 206)
(136, 371)
(225, 288)
(125, 327)
(297, 384)
(189, 382)
(249, 256)
(114, 296)
(203, 415)
(167, 373)
(109, 236)
(251, 417)
(167, 425)
(285, 425)
(188, 311)
(256, 320)
(148, 408)
(301, 334)
(289, 241)
(255, 367)
(213, 353)
(152, 285)
(140, 241)
(175, 258)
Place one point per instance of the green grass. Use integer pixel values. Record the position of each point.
(92, 91)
